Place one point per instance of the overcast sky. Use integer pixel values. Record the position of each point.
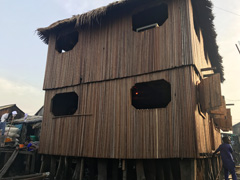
(23, 54)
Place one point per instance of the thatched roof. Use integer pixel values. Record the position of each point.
(202, 13)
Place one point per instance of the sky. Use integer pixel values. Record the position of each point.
(23, 54)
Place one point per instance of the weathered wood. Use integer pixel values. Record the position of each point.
(188, 168)
(28, 177)
(159, 169)
(127, 131)
(210, 93)
(33, 162)
(45, 165)
(82, 169)
(102, 169)
(102, 68)
(76, 173)
(53, 167)
(28, 164)
(8, 163)
(115, 169)
(124, 170)
(140, 170)
(60, 169)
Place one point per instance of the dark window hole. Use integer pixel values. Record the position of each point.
(150, 95)
(66, 42)
(64, 104)
(150, 18)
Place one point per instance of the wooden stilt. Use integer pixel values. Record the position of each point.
(45, 166)
(82, 169)
(168, 174)
(28, 165)
(159, 169)
(76, 173)
(33, 161)
(140, 170)
(79, 170)
(102, 169)
(175, 168)
(124, 169)
(115, 173)
(150, 169)
(188, 169)
(60, 169)
(53, 167)
(92, 168)
(66, 168)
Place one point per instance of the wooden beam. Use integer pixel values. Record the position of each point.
(208, 69)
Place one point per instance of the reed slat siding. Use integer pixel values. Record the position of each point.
(114, 50)
(107, 125)
(208, 137)
(197, 45)
(111, 59)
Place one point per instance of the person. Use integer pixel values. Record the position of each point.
(6, 117)
(30, 145)
(226, 155)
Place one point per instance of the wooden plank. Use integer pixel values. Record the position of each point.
(8, 163)
(210, 93)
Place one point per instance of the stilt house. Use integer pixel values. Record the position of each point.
(137, 79)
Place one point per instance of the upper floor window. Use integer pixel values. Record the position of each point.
(150, 18)
(66, 42)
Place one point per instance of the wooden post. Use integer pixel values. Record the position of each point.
(79, 169)
(168, 174)
(82, 169)
(59, 174)
(28, 161)
(140, 170)
(53, 167)
(124, 169)
(91, 162)
(102, 169)
(32, 169)
(45, 166)
(159, 169)
(188, 169)
(115, 173)
(150, 169)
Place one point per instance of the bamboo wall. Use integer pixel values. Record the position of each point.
(114, 50)
(107, 125)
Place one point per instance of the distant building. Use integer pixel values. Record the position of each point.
(9, 108)
(236, 129)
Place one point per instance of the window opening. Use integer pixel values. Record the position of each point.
(150, 95)
(150, 18)
(66, 42)
(64, 104)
